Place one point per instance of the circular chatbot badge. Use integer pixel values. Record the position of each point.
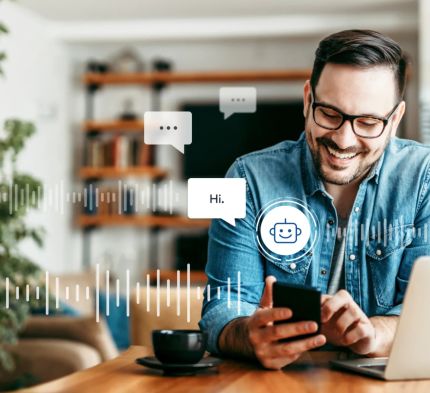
(286, 230)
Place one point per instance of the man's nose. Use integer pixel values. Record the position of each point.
(344, 137)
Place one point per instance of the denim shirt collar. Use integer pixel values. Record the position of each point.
(312, 181)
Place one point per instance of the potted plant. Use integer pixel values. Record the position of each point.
(15, 268)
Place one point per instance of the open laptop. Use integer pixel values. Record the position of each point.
(410, 354)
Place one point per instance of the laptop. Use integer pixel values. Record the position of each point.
(410, 354)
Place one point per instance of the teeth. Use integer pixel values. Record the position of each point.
(339, 155)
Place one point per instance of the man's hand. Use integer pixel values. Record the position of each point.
(264, 336)
(345, 324)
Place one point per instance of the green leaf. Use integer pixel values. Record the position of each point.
(3, 29)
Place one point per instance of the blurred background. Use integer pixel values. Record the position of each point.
(85, 72)
(51, 47)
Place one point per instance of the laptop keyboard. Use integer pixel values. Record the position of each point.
(377, 367)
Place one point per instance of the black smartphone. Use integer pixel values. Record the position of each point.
(304, 302)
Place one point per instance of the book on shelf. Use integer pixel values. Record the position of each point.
(120, 151)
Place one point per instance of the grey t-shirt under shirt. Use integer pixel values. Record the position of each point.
(337, 270)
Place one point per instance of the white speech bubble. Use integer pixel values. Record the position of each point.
(237, 100)
(217, 198)
(168, 128)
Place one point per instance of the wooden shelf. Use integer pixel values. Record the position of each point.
(114, 172)
(113, 125)
(149, 78)
(142, 221)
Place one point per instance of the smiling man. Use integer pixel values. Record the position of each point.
(369, 190)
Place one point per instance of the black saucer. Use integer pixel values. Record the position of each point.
(178, 369)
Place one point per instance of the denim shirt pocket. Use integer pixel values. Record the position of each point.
(384, 255)
(294, 269)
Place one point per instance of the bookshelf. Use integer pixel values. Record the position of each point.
(113, 126)
(102, 135)
(196, 77)
(151, 172)
(141, 221)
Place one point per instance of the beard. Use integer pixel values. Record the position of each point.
(336, 174)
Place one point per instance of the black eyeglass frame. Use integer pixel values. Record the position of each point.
(351, 118)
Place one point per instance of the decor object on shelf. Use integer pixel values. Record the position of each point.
(161, 65)
(128, 112)
(127, 61)
(97, 66)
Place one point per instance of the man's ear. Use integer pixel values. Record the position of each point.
(306, 97)
(397, 117)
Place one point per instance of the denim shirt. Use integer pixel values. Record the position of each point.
(386, 232)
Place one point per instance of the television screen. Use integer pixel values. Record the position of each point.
(218, 142)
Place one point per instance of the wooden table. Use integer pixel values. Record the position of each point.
(310, 374)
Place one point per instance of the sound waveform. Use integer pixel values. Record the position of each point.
(55, 292)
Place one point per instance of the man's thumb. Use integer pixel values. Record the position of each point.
(267, 299)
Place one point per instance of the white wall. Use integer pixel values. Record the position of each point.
(36, 88)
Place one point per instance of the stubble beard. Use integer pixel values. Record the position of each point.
(363, 168)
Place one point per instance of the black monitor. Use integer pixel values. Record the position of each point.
(218, 142)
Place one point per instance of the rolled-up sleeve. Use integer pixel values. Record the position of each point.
(235, 270)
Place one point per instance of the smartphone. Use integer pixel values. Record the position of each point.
(304, 302)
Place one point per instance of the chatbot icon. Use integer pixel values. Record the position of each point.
(285, 232)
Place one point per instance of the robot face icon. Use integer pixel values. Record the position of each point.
(285, 232)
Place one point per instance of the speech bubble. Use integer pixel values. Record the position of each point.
(168, 128)
(237, 100)
(217, 198)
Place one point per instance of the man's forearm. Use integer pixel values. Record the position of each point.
(385, 328)
(234, 341)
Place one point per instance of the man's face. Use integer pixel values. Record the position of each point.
(340, 156)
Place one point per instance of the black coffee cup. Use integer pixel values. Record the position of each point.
(179, 346)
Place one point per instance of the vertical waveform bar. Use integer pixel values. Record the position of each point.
(7, 292)
(208, 293)
(27, 293)
(57, 294)
(168, 293)
(148, 294)
(87, 293)
(67, 293)
(178, 293)
(77, 292)
(188, 292)
(127, 294)
(218, 293)
(97, 293)
(228, 292)
(154, 196)
(117, 292)
(17, 293)
(137, 293)
(10, 200)
(165, 198)
(171, 196)
(47, 293)
(107, 293)
(37, 293)
(158, 292)
(198, 293)
(238, 293)
(119, 197)
(62, 197)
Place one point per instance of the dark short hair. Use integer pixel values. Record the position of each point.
(361, 48)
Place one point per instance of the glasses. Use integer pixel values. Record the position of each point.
(331, 118)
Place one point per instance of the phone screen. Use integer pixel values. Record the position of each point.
(304, 302)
